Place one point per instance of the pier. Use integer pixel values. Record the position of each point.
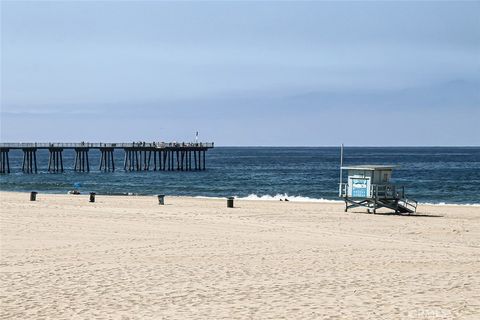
(138, 156)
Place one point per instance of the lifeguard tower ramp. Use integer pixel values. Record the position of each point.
(369, 186)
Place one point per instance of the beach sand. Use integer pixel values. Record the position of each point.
(130, 258)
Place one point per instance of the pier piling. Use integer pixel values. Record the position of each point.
(55, 162)
(29, 160)
(107, 162)
(81, 160)
(4, 161)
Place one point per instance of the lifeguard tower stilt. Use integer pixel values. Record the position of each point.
(369, 186)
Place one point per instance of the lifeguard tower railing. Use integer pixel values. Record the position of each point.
(385, 193)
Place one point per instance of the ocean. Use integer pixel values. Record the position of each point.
(437, 175)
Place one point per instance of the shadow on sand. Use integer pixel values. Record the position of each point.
(403, 214)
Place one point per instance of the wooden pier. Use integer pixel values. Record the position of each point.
(137, 156)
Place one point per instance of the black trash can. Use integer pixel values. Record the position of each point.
(161, 199)
(92, 196)
(33, 196)
(230, 202)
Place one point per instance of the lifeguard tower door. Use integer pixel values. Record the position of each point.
(359, 185)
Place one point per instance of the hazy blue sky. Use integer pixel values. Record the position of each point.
(251, 73)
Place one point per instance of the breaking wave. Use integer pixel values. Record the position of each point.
(278, 197)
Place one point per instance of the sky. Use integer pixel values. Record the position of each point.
(242, 73)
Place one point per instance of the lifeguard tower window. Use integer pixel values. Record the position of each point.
(369, 186)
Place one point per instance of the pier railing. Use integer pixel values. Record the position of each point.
(64, 145)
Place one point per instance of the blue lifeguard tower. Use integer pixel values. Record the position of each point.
(369, 186)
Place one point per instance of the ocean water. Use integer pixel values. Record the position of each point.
(430, 174)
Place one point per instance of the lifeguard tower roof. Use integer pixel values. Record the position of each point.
(372, 167)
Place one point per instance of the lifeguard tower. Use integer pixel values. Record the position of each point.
(369, 186)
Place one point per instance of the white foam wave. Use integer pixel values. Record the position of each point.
(277, 197)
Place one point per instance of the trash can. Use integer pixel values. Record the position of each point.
(92, 196)
(161, 199)
(230, 202)
(33, 196)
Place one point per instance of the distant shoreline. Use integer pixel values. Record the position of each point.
(252, 198)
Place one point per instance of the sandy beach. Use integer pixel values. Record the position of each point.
(130, 258)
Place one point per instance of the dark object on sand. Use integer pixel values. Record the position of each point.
(92, 196)
(286, 199)
(33, 196)
(161, 199)
(230, 202)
